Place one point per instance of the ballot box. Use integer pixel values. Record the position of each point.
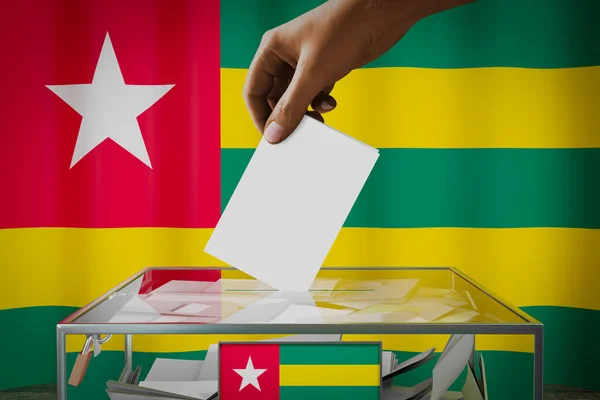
(426, 310)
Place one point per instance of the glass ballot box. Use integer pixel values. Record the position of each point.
(407, 309)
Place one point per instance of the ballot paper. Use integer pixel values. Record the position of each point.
(290, 205)
(124, 391)
(451, 364)
(198, 389)
(471, 390)
(298, 313)
(268, 308)
(410, 364)
(210, 369)
(387, 362)
(403, 393)
(167, 369)
(458, 353)
(176, 286)
(463, 316)
(177, 379)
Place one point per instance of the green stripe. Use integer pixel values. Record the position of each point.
(570, 354)
(512, 33)
(329, 354)
(329, 393)
(479, 188)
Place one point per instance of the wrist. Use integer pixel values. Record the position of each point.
(412, 11)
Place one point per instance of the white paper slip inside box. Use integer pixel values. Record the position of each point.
(210, 367)
(387, 361)
(298, 313)
(268, 308)
(410, 364)
(167, 369)
(416, 392)
(183, 287)
(356, 304)
(236, 285)
(451, 364)
(463, 316)
(121, 317)
(256, 313)
(116, 395)
(117, 390)
(199, 390)
(290, 205)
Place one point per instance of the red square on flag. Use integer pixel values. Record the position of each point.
(249, 371)
(113, 113)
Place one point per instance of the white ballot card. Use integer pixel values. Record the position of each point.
(387, 362)
(167, 369)
(267, 308)
(451, 364)
(290, 205)
(198, 390)
(210, 367)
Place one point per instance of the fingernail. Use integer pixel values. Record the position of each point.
(326, 106)
(273, 132)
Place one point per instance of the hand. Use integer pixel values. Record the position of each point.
(298, 63)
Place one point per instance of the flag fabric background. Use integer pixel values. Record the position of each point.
(290, 371)
(486, 121)
(54, 43)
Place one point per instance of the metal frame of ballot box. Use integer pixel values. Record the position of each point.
(93, 331)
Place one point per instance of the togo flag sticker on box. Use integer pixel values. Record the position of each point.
(299, 370)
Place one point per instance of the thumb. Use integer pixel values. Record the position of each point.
(292, 106)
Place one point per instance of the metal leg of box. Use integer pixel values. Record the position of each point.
(61, 364)
(128, 351)
(538, 360)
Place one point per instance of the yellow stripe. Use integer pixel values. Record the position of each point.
(85, 263)
(527, 266)
(410, 343)
(164, 343)
(420, 343)
(329, 375)
(447, 108)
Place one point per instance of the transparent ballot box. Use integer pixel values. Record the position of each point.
(162, 313)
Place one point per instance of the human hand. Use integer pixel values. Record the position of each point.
(298, 63)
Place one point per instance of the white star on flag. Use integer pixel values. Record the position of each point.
(109, 107)
(249, 375)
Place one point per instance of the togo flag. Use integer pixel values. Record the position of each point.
(290, 371)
